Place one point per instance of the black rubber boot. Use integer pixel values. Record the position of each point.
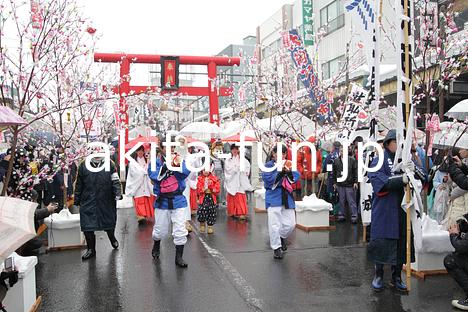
(284, 244)
(178, 258)
(278, 253)
(156, 249)
(377, 282)
(396, 281)
(91, 242)
(112, 239)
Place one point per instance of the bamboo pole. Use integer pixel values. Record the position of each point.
(364, 233)
(407, 107)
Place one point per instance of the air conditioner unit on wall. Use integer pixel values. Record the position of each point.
(458, 87)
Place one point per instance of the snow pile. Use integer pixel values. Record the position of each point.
(312, 203)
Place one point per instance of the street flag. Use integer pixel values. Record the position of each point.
(365, 15)
(308, 75)
(403, 160)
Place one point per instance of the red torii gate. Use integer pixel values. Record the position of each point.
(125, 89)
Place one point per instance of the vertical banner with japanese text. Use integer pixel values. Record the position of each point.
(307, 73)
(308, 22)
(354, 115)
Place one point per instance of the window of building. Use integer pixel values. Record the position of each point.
(333, 67)
(272, 49)
(332, 16)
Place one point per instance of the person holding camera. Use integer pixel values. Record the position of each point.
(40, 214)
(456, 263)
(458, 170)
(8, 278)
(279, 201)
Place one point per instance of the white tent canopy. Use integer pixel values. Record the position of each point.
(291, 123)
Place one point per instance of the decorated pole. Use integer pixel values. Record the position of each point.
(406, 30)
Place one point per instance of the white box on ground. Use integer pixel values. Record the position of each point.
(429, 261)
(64, 229)
(260, 199)
(22, 296)
(313, 212)
(435, 245)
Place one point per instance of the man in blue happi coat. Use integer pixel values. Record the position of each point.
(388, 231)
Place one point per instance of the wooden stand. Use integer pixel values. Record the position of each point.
(422, 274)
(35, 306)
(66, 247)
(315, 228)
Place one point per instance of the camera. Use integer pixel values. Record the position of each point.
(8, 277)
(9, 264)
(463, 224)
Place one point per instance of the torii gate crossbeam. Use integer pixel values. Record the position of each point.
(124, 89)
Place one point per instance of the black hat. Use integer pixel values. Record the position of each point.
(284, 149)
(234, 146)
(336, 144)
(358, 139)
(391, 135)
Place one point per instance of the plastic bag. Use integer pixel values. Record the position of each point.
(430, 200)
(441, 200)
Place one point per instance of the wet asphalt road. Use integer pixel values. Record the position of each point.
(232, 270)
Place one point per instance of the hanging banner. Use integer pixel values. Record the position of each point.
(36, 24)
(354, 116)
(364, 14)
(309, 77)
(308, 22)
(36, 15)
(170, 72)
(366, 201)
(89, 92)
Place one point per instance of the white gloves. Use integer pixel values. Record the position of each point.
(405, 178)
(408, 165)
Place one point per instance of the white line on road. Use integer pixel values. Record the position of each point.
(245, 290)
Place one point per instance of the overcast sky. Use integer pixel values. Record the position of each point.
(182, 27)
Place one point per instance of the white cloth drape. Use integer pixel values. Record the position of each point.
(236, 181)
(138, 183)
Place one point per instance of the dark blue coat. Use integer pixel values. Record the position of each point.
(273, 195)
(96, 193)
(329, 160)
(386, 201)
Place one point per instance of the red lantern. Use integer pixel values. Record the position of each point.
(88, 124)
(91, 30)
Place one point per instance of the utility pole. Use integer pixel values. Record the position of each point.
(347, 70)
(442, 8)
